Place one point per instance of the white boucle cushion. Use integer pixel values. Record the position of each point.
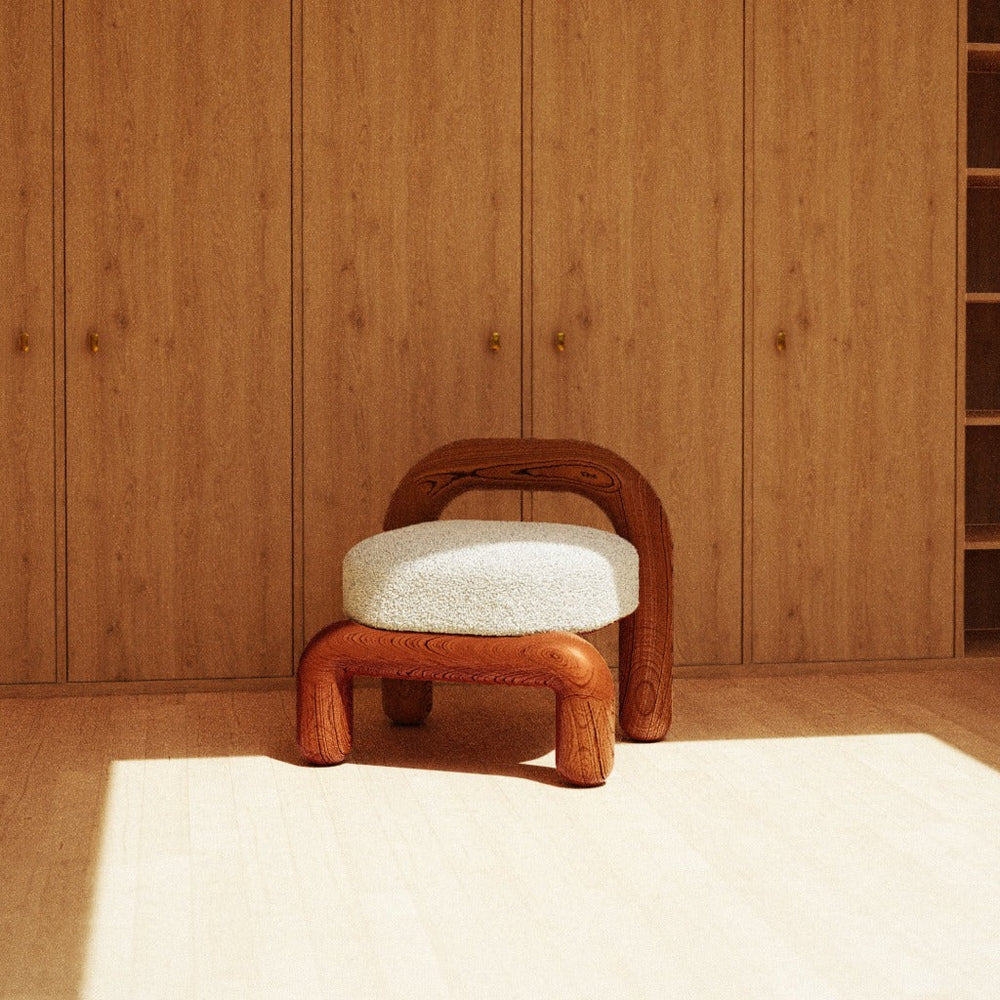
(491, 578)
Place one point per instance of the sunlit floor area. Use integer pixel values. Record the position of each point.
(799, 837)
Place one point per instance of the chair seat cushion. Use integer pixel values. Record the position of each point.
(491, 578)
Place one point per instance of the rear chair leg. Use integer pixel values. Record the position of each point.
(407, 703)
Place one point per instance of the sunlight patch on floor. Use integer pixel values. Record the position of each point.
(836, 866)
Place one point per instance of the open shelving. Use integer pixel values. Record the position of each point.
(982, 333)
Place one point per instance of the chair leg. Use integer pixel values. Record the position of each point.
(324, 702)
(645, 661)
(585, 739)
(409, 662)
(407, 703)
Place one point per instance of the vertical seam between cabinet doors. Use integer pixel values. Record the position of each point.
(527, 214)
(746, 568)
(55, 319)
(300, 357)
(291, 310)
(961, 341)
(527, 266)
(64, 664)
(52, 298)
(294, 248)
(292, 303)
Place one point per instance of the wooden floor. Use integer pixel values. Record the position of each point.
(799, 837)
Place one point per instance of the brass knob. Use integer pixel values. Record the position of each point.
(24, 342)
(94, 341)
(779, 341)
(495, 341)
(560, 341)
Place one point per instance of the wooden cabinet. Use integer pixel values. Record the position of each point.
(27, 439)
(412, 249)
(982, 333)
(637, 260)
(265, 257)
(178, 339)
(425, 232)
(853, 339)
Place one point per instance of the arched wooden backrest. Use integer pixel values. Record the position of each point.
(645, 646)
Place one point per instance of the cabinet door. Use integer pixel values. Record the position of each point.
(179, 427)
(854, 203)
(637, 260)
(27, 485)
(412, 250)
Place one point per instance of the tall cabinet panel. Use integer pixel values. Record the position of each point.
(637, 238)
(412, 255)
(179, 339)
(27, 484)
(854, 208)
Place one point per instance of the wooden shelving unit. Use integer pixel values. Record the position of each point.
(983, 177)
(984, 57)
(982, 418)
(982, 333)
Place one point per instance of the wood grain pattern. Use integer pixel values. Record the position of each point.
(566, 663)
(27, 424)
(412, 255)
(178, 231)
(637, 258)
(629, 503)
(855, 254)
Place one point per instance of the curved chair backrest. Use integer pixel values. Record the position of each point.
(646, 636)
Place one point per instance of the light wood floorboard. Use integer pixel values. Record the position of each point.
(802, 837)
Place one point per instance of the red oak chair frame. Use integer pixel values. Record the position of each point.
(408, 662)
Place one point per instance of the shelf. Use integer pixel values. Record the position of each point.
(983, 177)
(983, 297)
(982, 536)
(982, 418)
(984, 57)
(982, 642)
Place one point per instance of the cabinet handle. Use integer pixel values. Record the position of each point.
(24, 342)
(93, 339)
(780, 341)
(560, 341)
(495, 341)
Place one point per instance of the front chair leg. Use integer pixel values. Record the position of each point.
(324, 704)
(585, 739)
